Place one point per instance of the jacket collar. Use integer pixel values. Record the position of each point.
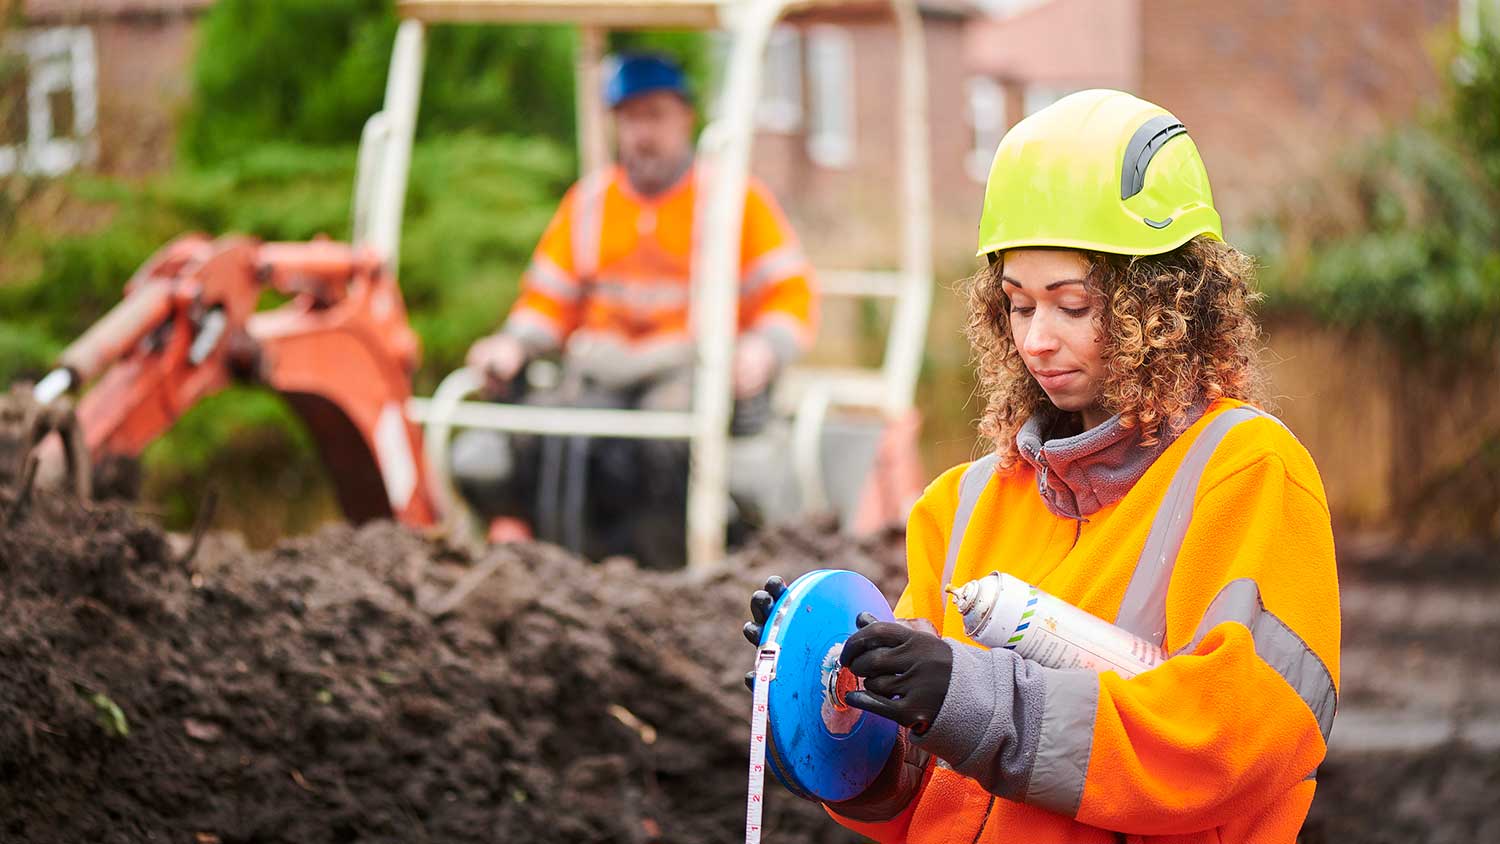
(1082, 474)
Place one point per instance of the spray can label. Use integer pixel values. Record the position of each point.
(1001, 611)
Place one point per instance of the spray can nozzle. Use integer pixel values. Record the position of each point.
(963, 596)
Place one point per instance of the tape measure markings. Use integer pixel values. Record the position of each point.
(765, 671)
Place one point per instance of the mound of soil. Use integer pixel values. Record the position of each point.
(333, 690)
(366, 684)
(1440, 794)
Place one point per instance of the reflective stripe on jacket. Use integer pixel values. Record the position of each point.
(1223, 553)
(614, 266)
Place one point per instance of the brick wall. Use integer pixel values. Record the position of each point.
(1062, 43)
(1271, 89)
(848, 217)
(144, 83)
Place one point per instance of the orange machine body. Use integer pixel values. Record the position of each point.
(341, 352)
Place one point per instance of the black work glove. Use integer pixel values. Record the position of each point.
(906, 671)
(760, 611)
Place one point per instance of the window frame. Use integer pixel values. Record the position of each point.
(832, 90)
(57, 58)
(781, 107)
(987, 124)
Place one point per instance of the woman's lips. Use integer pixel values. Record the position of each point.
(1055, 379)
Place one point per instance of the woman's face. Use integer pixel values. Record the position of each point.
(1054, 323)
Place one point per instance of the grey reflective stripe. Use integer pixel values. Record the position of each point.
(535, 331)
(549, 277)
(1276, 644)
(1067, 738)
(777, 265)
(1144, 609)
(970, 487)
(588, 223)
(641, 294)
(784, 335)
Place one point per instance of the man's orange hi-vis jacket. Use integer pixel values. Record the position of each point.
(614, 268)
(1221, 549)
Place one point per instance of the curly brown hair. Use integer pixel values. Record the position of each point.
(1177, 328)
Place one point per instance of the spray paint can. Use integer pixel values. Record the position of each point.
(1001, 611)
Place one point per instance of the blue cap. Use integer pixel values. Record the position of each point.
(639, 74)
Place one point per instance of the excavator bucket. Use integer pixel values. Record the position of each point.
(48, 443)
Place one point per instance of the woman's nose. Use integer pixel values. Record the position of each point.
(1040, 338)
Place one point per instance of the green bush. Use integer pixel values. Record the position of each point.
(313, 71)
(1419, 258)
(1476, 115)
(1405, 238)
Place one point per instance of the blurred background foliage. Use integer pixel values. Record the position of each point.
(314, 70)
(1402, 238)
(268, 147)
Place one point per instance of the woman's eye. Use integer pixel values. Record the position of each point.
(1077, 312)
(1022, 311)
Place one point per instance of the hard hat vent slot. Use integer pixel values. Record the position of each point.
(1143, 146)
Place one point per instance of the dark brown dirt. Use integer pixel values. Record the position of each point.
(309, 693)
(1443, 794)
(303, 694)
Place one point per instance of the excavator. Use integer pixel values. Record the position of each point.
(341, 351)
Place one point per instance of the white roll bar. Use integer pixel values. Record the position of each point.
(716, 281)
(726, 146)
(403, 87)
(903, 352)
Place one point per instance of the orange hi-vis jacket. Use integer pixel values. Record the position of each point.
(1221, 551)
(614, 267)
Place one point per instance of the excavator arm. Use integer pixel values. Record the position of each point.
(340, 352)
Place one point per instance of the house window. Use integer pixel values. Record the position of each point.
(1008, 8)
(50, 100)
(987, 118)
(780, 108)
(830, 116)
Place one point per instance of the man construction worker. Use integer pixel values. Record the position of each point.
(609, 289)
(1131, 474)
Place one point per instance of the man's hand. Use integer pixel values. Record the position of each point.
(754, 365)
(906, 671)
(760, 610)
(500, 357)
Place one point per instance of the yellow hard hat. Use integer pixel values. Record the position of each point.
(1099, 170)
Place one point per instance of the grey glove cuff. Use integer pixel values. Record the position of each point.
(990, 720)
(783, 340)
(534, 340)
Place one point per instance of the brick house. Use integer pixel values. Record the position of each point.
(95, 82)
(1269, 90)
(827, 143)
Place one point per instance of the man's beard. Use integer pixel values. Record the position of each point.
(652, 174)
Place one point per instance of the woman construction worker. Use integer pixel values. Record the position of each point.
(1132, 475)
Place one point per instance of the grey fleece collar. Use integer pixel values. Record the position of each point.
(1082, 474)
